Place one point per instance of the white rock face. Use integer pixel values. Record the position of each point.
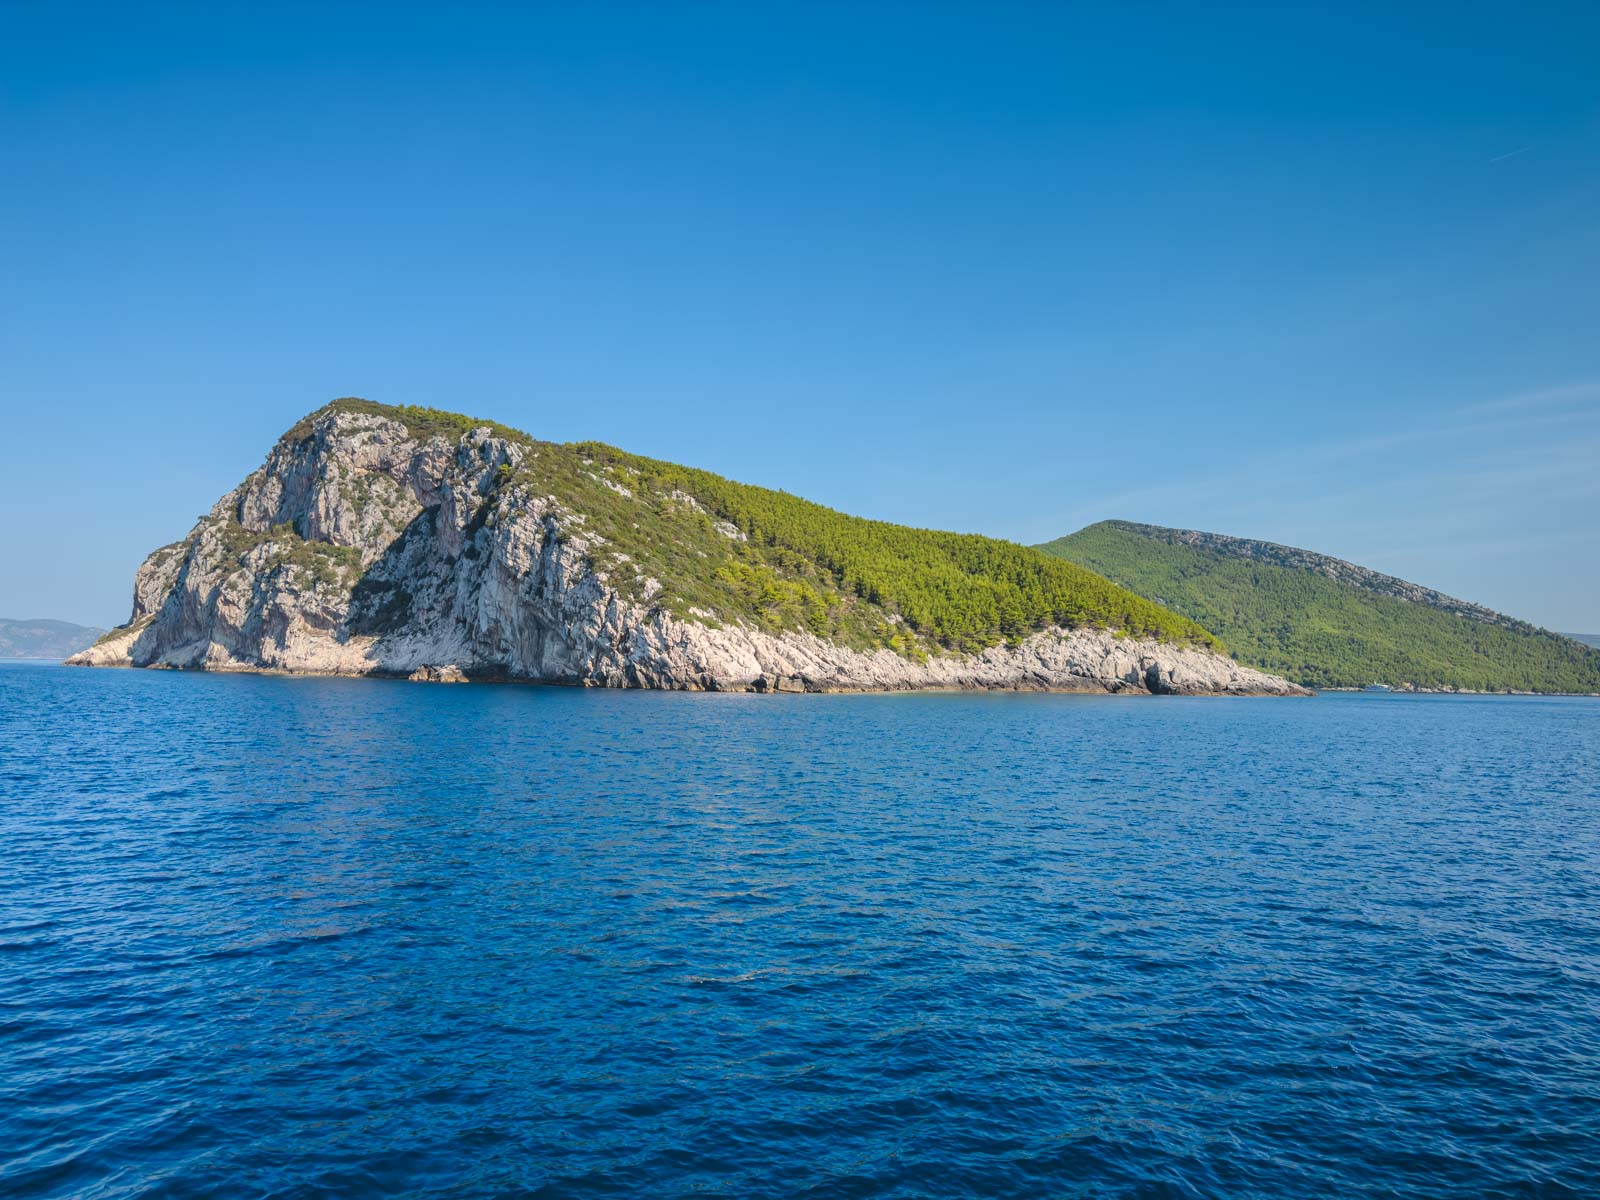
(365, 551)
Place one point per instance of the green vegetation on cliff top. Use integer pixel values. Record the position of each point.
(1324, 633)
(731, 551)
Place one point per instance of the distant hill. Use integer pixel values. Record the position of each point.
(42, 638)
(1588, 639)
(1326, 622)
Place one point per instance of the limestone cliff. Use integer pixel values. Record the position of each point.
(370, 543)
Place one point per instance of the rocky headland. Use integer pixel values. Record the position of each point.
(408, 543)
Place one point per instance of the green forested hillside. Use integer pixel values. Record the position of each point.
(733, 551)
(962, 591)
(1323, 632)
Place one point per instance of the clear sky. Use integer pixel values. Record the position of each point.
(1325, 276)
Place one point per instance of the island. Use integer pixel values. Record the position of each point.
(402, 541)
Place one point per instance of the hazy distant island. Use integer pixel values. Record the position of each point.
(414, 542)
(41, 637)
(1325, 622)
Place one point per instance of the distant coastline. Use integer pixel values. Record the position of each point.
(44, 638)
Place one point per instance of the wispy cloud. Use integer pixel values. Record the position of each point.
(1510, 154)
(1499, 423)
(1517, 543)
(1567, 393)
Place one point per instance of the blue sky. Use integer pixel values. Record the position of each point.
(1326, 276)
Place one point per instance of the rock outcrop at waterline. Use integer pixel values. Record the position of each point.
(367, 546)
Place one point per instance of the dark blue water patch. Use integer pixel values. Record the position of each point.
(297, 938)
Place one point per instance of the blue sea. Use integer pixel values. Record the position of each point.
(271, 937)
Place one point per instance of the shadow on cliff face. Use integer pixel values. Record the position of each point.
(379, 606)
(381, 601)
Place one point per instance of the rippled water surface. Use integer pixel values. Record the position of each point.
(290, 937)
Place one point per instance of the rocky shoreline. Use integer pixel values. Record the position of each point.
(1411, 689)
